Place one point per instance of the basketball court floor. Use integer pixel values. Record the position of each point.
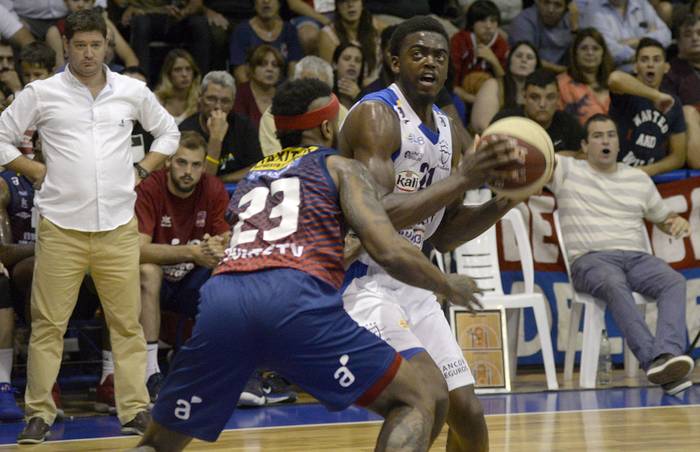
(622, 418)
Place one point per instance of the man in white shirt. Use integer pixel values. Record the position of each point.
(602, 205)
(84, 117)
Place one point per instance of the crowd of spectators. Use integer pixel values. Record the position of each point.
(214, 66)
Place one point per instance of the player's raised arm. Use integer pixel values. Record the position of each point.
(365, 215)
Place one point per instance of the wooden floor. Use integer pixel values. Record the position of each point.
(675, 428)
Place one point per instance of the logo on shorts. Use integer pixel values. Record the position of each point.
(184, 407)
(342, 374)
(403, 324)
(454, 368)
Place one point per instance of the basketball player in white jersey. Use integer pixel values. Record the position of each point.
(422, 166)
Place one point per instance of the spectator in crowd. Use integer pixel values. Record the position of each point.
(223, 17)
(353, 24)
(39, 15)
(393, 12)
(651, 123)
(36, 61)
(623, 23)
(255, 96)
(232, 140)
(180, 210)
(603, 205)
(178, 88)
(479, 51)
(541, 105)
(386, 75)
(9, 78)
(508, 8)
(266, 27)
(583, 88)
(312, 16)
(162, 20)
(349, 64)
(308, 67)
(549, 25)
(683, 81)
(12, 29)
(85, 201)
(496, 94)
(54, 35)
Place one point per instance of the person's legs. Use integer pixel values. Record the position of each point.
(114, 265)
(61, 262)
(151, 281)
(199, 42)
(602, 274)
(144, 29)
(9, 410)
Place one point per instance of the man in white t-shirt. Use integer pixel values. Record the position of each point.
(602, 206)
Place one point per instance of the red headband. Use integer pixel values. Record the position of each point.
(310, 119)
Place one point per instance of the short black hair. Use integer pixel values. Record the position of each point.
(85, 20)
(482, 10)
(689, 20)
(385, 37)
(541, 78)
(598, 117)
(293, 97)
(38, 53)
(135, 70)
(414, 25)
(648, 42)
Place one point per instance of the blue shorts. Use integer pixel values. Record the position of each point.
(183, 296)
(284, 320)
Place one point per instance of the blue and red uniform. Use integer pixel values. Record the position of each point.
(19, 209)
(274, 303)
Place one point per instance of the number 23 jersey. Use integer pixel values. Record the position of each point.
(286, 214)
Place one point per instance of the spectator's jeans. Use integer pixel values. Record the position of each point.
(193, 31)
(63, 256)
(612, 276)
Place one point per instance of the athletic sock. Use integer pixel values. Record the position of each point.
(107, 365)
(6, 355)
(152, 359)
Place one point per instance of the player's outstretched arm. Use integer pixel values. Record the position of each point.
(371, 133)
(365, 215)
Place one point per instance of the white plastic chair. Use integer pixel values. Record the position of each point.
(593, 325)
(478, 259)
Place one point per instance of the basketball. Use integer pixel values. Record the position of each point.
(539, 161)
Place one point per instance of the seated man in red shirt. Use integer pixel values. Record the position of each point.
(180, 210)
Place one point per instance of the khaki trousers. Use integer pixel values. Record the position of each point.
(63, 256)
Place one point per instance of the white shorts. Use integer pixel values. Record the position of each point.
(410, 320)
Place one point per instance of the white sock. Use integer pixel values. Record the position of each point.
(6, 355)
(107, 365)
(152, 359)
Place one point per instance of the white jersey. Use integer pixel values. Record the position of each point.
(424, 158)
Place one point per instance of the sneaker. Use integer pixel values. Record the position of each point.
(56, 395)
(104, 400)
(676, 387)
(138, 425)
(277, 389)
(668, 368)
(252, 394)
(9, 411)
(35, 432)
(154, 384)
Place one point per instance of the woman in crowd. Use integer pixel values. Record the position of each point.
(255, 96)
(178, 88)
(507, 92)
(353, 24)
(348, 63)
(266, 27)
(583, 88)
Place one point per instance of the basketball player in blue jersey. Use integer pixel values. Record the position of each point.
(275, 301)
(422, 166)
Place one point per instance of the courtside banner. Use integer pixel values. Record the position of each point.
(682, 196)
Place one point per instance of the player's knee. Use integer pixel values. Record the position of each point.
(465, 406)
(151, 276)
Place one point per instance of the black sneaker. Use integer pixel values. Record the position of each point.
(154, 383)
(252, 394)
(677, 387)
(668, 368)
(35, 432)
(277, 389)
(137, 426)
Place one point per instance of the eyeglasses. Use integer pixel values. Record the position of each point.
(213, 100)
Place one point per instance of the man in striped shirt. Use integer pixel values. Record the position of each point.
(603, 205)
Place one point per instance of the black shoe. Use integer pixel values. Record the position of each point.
(154, 383)
(252, 394)
(677, 387)
(667, 368)
(277, 389)
(35, 432)
(137, 426)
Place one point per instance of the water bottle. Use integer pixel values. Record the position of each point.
(604, 361)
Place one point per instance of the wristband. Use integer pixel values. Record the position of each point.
(212, 160)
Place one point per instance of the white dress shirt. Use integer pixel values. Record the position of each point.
(89, 184)
(9, 23)
(41, 9)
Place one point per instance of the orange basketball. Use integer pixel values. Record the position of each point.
(539, 160)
